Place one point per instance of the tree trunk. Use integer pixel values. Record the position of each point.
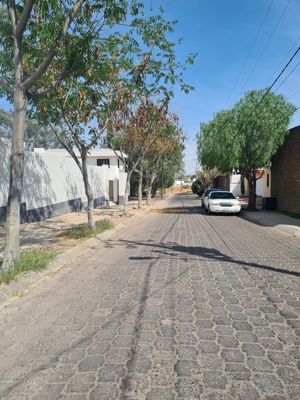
(251, 178)
(88, 192)
(127, 186)
(149, 191)
(140, 192)
(12, 226)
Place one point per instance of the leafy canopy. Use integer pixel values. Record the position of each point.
(246, 136)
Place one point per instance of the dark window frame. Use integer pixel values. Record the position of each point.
(103, 161)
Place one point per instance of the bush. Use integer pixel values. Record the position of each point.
(197, 187)
(84, 231)
(30, 260)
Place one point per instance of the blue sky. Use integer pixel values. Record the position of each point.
(222, 33)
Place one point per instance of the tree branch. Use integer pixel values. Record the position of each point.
(44, 90)
(6, 85)
(11, 6)
(52, 52)
(21, 25)
(66, 146)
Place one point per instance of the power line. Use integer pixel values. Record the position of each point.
(265, 46)
(250, 50)
(284, 58)
(292, 71)
(272, 85)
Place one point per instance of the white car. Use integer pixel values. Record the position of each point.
(204, 198)
(223, 202)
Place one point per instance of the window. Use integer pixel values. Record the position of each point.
(102, 161)
(268, 180)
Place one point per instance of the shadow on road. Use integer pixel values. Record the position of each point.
(171, 249)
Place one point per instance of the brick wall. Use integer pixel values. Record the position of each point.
(285, 177)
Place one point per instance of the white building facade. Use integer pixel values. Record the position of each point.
(53, 184)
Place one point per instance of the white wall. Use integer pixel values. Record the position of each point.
(235, 184)
(262, 189)
(52, 177)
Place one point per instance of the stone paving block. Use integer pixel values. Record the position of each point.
(259, 364)
(243, 391)
(104, 391)
(206, 334)
(228, 342)
(214, 380)
(186, 368)
(233, 355)
(187, 352)
(268, 383)
(289, 374)
(139, 364)
(81, 382)
(189, 387)
(111, 373)
(51, 391)
(137, 385)
(208, 346)
(160, 394)
(91, 363)
(117, 355)
(253, 349)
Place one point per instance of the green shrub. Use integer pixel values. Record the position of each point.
(30, 260)
(197, 187)
(84, 231)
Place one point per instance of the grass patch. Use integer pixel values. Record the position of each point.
(84, 231)
(30, 260)
(290, 214)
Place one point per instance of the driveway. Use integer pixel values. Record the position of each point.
(178, 305)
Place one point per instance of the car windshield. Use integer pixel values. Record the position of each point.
(207, 191)
(221, 195)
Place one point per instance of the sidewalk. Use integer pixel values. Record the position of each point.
(45, 233)
(275, 220)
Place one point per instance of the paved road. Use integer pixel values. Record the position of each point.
(181, 305)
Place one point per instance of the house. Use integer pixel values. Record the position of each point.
(53, 184)
(286, 173)
(239, 187)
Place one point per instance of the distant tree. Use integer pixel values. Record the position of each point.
(204, 179)
(246, 137)
(164, 147)
(170, 168)
(36, 135)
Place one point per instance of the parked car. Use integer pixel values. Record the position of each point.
(223, 202)
(205, 196)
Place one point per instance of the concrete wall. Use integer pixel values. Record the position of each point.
(235, 184)
(286, 173)
(53, 184)
(263, 185)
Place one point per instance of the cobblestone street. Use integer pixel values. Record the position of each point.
(178, 305)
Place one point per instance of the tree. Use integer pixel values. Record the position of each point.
(134, 137)
(35, 135)
(171, 166)
(42, 43)
(204, 180)
(246, 137)
(171, 142)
